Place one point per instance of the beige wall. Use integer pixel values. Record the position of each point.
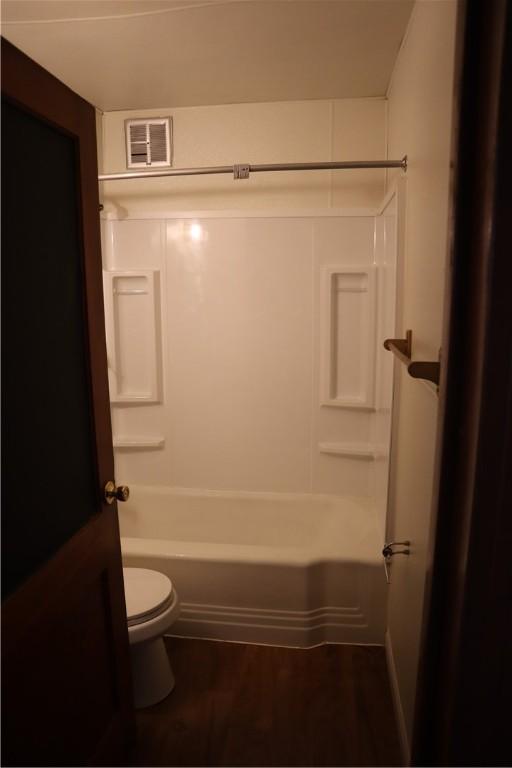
(419, 123)
(294, 131)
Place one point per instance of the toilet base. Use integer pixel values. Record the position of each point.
(153, 678)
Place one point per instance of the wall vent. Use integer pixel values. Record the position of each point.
(149, 142)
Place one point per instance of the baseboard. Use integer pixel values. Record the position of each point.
(295, 629)
(397, 702)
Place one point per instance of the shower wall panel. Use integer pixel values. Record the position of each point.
(243, 321)
(239, 319)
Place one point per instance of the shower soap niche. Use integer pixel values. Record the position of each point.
(348, 331)
(132, 314)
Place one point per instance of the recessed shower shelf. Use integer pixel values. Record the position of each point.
(132, 314)
(138, 443)
(418, 369)
(349, 302)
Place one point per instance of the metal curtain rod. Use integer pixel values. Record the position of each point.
(242, 170)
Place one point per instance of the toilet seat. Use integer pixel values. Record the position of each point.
(148, 594)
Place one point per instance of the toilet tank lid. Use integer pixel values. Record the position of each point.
(145, 591)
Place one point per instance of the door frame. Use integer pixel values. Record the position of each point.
(465, 669)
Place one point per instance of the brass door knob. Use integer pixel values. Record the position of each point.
(113, 492)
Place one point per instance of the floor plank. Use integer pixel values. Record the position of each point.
(250, 705)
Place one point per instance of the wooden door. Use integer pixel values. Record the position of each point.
(464, 702)
(65, 654)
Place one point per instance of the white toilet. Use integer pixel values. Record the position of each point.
(152, 605)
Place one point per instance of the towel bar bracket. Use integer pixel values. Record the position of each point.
(418, 369)
(402, 348)
(431, 371)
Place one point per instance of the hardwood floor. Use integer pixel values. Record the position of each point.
(249, 705)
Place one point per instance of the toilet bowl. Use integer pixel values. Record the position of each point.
(152, 606)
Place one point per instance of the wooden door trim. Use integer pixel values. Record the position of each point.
(457, 708)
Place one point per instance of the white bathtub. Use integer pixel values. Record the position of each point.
(283, 569)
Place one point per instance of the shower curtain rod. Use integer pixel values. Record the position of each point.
(242, 170)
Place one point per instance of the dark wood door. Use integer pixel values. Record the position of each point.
(464, 699)
(65, 655)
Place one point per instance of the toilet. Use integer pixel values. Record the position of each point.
(152, 606)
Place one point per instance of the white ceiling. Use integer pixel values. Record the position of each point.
(137, 54)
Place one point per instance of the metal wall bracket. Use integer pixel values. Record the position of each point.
(241, 171)
(388, 553)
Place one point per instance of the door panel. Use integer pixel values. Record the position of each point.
(62, 671)
(45, 394)
(65, 655)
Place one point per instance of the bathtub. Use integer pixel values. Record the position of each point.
(280, 569)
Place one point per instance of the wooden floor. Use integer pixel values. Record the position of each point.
(249, 705)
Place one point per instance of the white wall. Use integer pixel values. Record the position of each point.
(293, 131)
(242, 302)
(419, 123)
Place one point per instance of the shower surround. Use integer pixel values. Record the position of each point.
(251, 406)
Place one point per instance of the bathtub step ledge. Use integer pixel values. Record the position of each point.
(296, 629)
